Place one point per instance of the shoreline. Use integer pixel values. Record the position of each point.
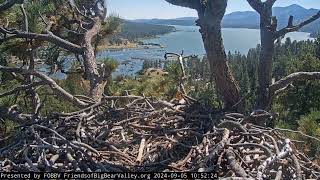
(137, 44)
(131, 45)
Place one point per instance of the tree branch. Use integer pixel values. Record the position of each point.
(53, 85)
(285, 82)
(21, 88)
(181, 63)
(25, 17)
(292, 28)
(49, 36)
(270, 2)
(256, 5)
(193, 4)
(73, 5)
(9, 3)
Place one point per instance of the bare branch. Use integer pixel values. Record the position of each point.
(181, 63)
(292, 28)
(25, 17)
(49, 36)
(283, 83)
(48, 25)
(73, 5)
(297, 132)
(21, 88)
(54, 86)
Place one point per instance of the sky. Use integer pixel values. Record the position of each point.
(148, 9)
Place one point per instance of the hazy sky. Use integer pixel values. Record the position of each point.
(145, 9)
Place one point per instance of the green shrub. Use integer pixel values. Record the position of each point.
(310, 125)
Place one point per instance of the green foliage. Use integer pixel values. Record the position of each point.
(244, 69)
(51, 102)
(164, 87)
(7, 128)
(167, 87)
(74, 83)
(4, 87)
(110, 64)
(112, 25)
(153, 64)
(9, 15)
(17, 48)
(304, 95)
(289, 57)
(299, 106)
(34, 9)
(174, 70)
(3, 57)
(160, 87)
(54, 103)
(205, 93)
(318, 47)
(310, 125)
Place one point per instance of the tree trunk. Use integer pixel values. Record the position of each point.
(265, 60)
(210, 15)
(227, 87)
(269, 33)
(97, 83)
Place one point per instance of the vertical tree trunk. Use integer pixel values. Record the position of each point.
(97, 83)
(265, 59)
(210, 14)
(227, 87)
(210, 18)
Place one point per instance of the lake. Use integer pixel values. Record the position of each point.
(187, 38)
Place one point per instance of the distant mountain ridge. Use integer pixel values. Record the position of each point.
(250, 19)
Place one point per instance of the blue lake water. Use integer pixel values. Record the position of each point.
(186, 38)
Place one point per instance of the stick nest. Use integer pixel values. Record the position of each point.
(124, 134)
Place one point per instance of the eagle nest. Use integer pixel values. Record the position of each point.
(139, 134)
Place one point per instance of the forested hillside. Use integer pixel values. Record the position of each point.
(133, 30)
(129, 33)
